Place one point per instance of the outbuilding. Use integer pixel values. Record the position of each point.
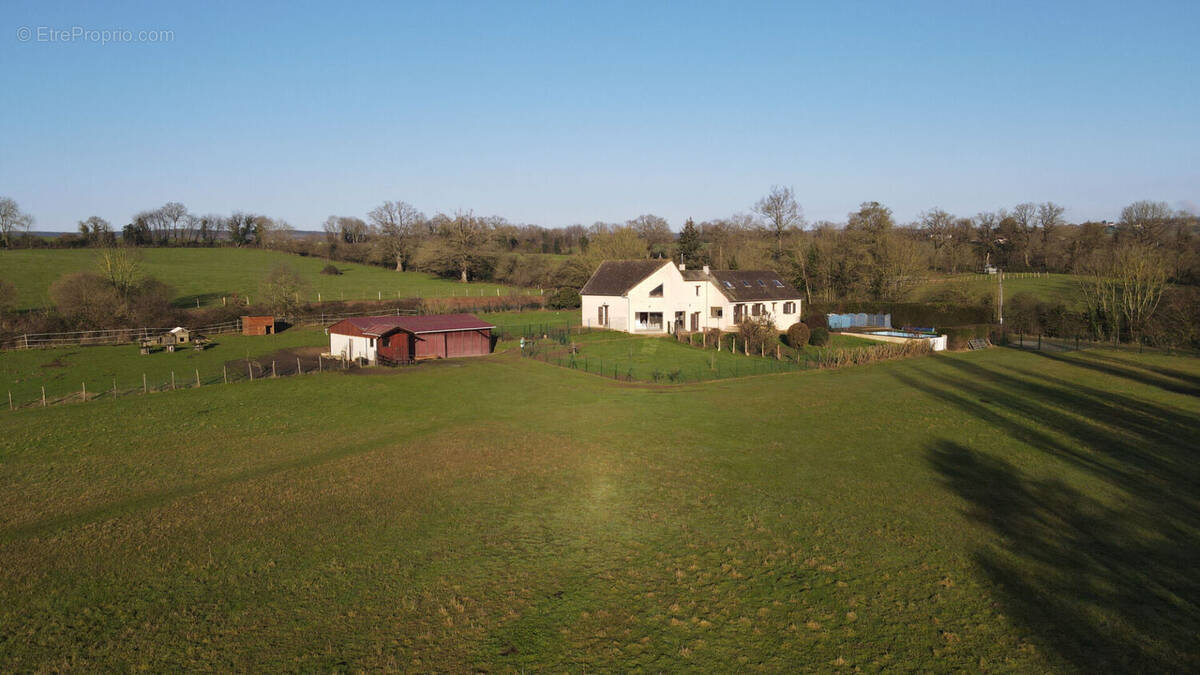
(404, 339)
(258, 325)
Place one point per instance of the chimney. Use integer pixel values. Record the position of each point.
(682, 267)
(706, 269)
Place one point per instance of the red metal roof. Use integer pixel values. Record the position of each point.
(431, 323)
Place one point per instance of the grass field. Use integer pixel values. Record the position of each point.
(997, 510)
(65, 371)
(1053, 288)
(208, 274)
(663, 359)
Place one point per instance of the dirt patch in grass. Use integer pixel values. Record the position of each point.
(284, 362)
(56, 363)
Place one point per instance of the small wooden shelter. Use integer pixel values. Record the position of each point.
(258, 325)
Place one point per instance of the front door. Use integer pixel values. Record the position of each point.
(695, 321)
(678, 322)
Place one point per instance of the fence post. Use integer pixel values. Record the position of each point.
(273, 373)
(43, 396)
(299, 370)
(197, 377)
(251, 370)
(172, 380)
(145, 389)
(225, 373)
(83, 391)
(114, 387)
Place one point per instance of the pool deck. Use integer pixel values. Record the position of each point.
(937, 341)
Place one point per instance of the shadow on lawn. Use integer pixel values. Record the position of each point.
(1108, 584)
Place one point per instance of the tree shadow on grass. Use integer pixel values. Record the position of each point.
(1108, 583)
(1107, 589)
(1163, 378)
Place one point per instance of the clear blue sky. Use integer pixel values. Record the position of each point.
(568, 112)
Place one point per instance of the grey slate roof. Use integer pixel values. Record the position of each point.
(749, 285)
(616, 277)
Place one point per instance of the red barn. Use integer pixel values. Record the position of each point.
(400, 339)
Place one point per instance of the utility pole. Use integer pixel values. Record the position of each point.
(1000, 297)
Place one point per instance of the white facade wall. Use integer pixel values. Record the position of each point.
(352, 347)
(679, 295)
(618, 311)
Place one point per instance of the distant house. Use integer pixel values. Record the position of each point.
(403, 339)
(178, 335)
(655, 296)
(258, 325)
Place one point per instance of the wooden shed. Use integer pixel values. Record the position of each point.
(403, 339)
(258, 325)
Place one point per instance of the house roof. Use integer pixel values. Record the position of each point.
(432, 323)
(747, 285)
(616, 277)
(178, 329)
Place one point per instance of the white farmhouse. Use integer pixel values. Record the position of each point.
(657, 296)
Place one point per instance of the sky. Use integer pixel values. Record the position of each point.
(571, 112)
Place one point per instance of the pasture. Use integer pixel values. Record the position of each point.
(997, 510)
(209, 274)
(1052, 288)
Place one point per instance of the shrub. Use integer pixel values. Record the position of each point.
(757, 332)
(281, 289)
(797, 335)
(87, 300)
(331, 270)
(564, 298)
(712, 337)
(819, 337)
(957, 336)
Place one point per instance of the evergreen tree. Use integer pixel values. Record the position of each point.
(689, 243)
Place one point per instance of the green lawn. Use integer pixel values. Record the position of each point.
(665, 360)
(209, 274)
(997, 510)
(1052, 288)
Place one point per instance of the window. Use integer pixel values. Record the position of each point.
(697, 290)
(778, 284)
(716, 312)
(372, 345)
(762, 283)
(657, 292)
(789, 308)
(728, 285)
(757, 309)
(745, 283)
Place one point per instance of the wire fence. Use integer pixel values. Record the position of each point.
(242, 370)
(727, 357)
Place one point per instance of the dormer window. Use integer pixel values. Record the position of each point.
(778, 284)
(728, 285)
(745, 283)
(657, 292)
(762, 283)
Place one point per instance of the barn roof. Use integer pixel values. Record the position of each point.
(616, 277)
(431, 323)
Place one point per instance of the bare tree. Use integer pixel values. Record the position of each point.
(782, 213)
(655, 231)
(399, 226)
(97, 230)
(1147, 221)
(1024, 217)
(12, 220)
(173, 215)
(122, 267)
(462, 243)
(281, 290)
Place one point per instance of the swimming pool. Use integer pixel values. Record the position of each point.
(936, 342)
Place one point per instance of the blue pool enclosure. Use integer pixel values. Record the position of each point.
(860, 320)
